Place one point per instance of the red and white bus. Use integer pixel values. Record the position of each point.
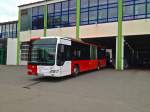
(61, 56)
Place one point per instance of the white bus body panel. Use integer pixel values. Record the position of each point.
(55, 71)
(66, 68)
(51, 71)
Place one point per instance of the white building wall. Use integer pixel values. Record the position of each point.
(63, 32)
(27, 35)
(136, 27)
(11, 51)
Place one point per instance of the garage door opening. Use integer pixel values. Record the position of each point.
(110, 44)
(137, 51)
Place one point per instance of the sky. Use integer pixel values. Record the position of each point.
(9, 9)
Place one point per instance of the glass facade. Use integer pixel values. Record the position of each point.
(63, 14)
(26, 22)
(38, 17)
(8, 30)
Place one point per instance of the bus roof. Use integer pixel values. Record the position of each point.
(66, 38)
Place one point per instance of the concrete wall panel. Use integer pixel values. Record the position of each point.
(27, 35)
(11, 51)
(64, 32)
(136, 27)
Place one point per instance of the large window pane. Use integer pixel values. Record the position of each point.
(102, 2)
(51, 8)
(84, 18)
(93, 3)
(40, 22)
(72, 4)
(35, 11)
(26, 19)
(128, 12)
(112, 1)
(3, 31)
(34, 23)
(72, 12)
(65, 6)
(112, 14)
(140, 1)
(64, 21)
(57, 13)
(148, 9)
(14, 35)
(38, 18)
(102, 15)
(93, 17)
(11, 30)
(140, 11)
(64, 17)
(57, 21)
(7, 31)
(84, 3)
(72, 19)
(57, 7)
(50, 21)
(41, 10)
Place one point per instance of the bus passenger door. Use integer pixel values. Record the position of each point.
(64, 59)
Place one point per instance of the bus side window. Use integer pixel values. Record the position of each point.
(76, 54)
(93, 52)
(67, 53)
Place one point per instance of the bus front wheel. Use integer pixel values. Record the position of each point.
(76, 70)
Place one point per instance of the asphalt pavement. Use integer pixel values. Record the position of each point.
(106, 90)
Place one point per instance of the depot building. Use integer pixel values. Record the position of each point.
(98, 24)
(8, 43)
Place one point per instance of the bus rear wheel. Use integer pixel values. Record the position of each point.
(76, 70)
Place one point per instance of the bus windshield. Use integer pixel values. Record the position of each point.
(42, 52)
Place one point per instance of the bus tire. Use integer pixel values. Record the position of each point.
(76, 70)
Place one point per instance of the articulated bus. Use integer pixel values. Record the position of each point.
(62, 56)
